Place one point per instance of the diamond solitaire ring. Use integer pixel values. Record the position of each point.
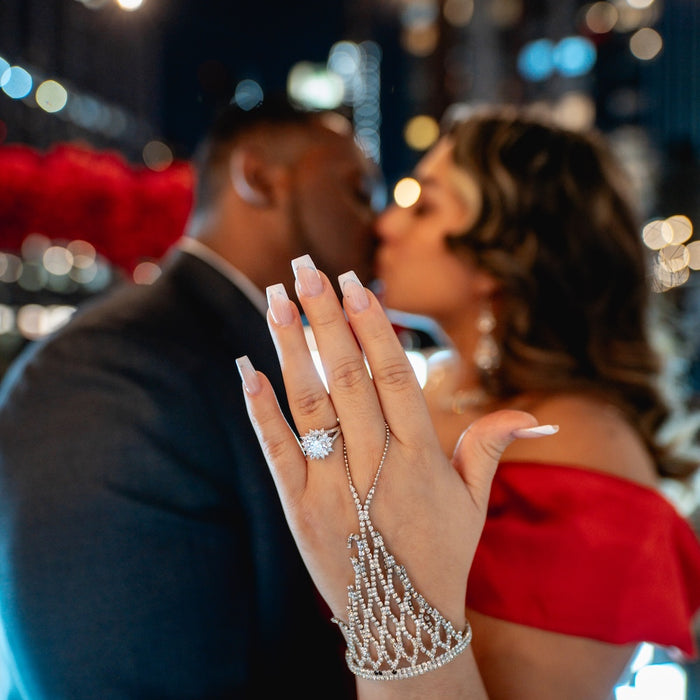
(318, 443)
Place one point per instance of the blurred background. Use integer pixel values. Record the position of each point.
(103, 101)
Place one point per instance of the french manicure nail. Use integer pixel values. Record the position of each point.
(307, 276)
(250, 378)
(279, 304)
(353, 291)
(537, 431)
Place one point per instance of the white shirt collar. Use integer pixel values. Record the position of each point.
(207, 255)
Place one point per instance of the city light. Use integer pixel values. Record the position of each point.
(130, 5)
(571, 56)
(51, 96)
(406, 192)
(421, 132)
(314, 86)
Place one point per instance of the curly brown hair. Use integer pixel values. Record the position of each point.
(558, 229)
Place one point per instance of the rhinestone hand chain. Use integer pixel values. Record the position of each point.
(392, 631)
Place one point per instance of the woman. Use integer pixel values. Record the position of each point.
(526, 251)
(532, 262)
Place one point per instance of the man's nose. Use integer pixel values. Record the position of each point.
(387, 224)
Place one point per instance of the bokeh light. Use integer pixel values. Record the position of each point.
(146, 272)
(631, 18)
(34, 246)
(83, 253)
(575, 110)
(7, 319)
(344, 58)
(58, 260)
(34, 276)
(130, 5)
(640, 4)
(681, 228)
(96, 278)
(656, 234)
(505, 13)
(694, 255)
(458, 13)
(51, 96)
(420, 40)
(94, 4)
(574, 56)
(601, 17)
(419, 13)
(157, 155)
(358, 67)
(536, 60)
(646, 43)
(406, 192)
(16, 82)
(421, 132)
(248, 94)
(674, 258)
(35, 321)
(10, 267)
(314, 86)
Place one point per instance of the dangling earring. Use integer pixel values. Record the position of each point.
(487, 356)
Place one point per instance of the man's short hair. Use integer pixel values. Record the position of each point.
(231, 124)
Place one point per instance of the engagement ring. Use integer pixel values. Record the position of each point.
(318, 443)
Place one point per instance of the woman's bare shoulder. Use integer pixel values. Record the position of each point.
(592, 433)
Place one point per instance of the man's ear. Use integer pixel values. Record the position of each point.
(250, 176)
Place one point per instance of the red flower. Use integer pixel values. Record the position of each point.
(21, 187)
(128, 213)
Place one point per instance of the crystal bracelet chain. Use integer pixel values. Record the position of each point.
(392, 631)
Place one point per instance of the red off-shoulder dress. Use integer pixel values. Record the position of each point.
(588, 554)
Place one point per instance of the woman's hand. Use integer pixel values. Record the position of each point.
(430, 512)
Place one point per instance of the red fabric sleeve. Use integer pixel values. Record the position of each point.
(584, 553)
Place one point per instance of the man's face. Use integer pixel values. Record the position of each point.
(335, 186)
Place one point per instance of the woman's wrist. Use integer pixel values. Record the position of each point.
(458, 680)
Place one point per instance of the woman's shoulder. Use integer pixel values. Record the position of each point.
(592, 434)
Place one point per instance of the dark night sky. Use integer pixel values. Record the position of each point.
(210, 46)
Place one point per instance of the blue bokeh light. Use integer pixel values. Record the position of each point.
(536, 60)
(574, 56)
(248, 94)
(16, 82)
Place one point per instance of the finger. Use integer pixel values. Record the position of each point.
(308, 398)
(481, 446)
(396, 384)
(350, 385)
(277, 440)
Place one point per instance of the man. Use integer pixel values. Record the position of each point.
(143, 550)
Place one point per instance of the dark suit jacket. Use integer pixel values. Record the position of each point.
(143, 549)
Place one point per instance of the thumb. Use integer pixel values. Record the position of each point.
(481, 445)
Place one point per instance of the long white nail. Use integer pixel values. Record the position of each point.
(353, 291)
(279, 304)
(537, 431)
(250, 378)
(307, 276)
